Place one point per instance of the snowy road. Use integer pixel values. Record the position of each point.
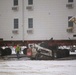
(28, 67)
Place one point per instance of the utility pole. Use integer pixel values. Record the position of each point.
(23, 20)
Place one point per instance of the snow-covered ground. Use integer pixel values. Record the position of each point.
(42, 67)
(73, 52)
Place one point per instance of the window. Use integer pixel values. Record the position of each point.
(30, 2)
(70, 24)
(70, 0)
(30, 22)
(15, 23)
(15, 2)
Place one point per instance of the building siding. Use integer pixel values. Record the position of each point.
(50, 19)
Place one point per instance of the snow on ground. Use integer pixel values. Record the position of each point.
(72, 52)
(42, 67)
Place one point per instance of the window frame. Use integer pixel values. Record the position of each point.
(16, 23)
(70, 0)
(30, 2)
(30, 22)
(15, 2)
(70, 23)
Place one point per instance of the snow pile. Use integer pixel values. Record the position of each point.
(38, 67)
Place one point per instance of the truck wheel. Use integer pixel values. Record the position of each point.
(8, 51)
(66, 52)
(1, 51)
(25, 51)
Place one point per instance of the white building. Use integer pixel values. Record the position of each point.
(37, 19)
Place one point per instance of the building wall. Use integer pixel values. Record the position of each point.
(50, 19)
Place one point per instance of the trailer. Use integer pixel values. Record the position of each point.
(56, 48)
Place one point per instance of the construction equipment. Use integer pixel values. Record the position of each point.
(44, 51)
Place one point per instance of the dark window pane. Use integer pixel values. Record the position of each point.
(30, 23)
(70, 0)
(70, 24)
(15, 23)
(15, 2)
(30, 2)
